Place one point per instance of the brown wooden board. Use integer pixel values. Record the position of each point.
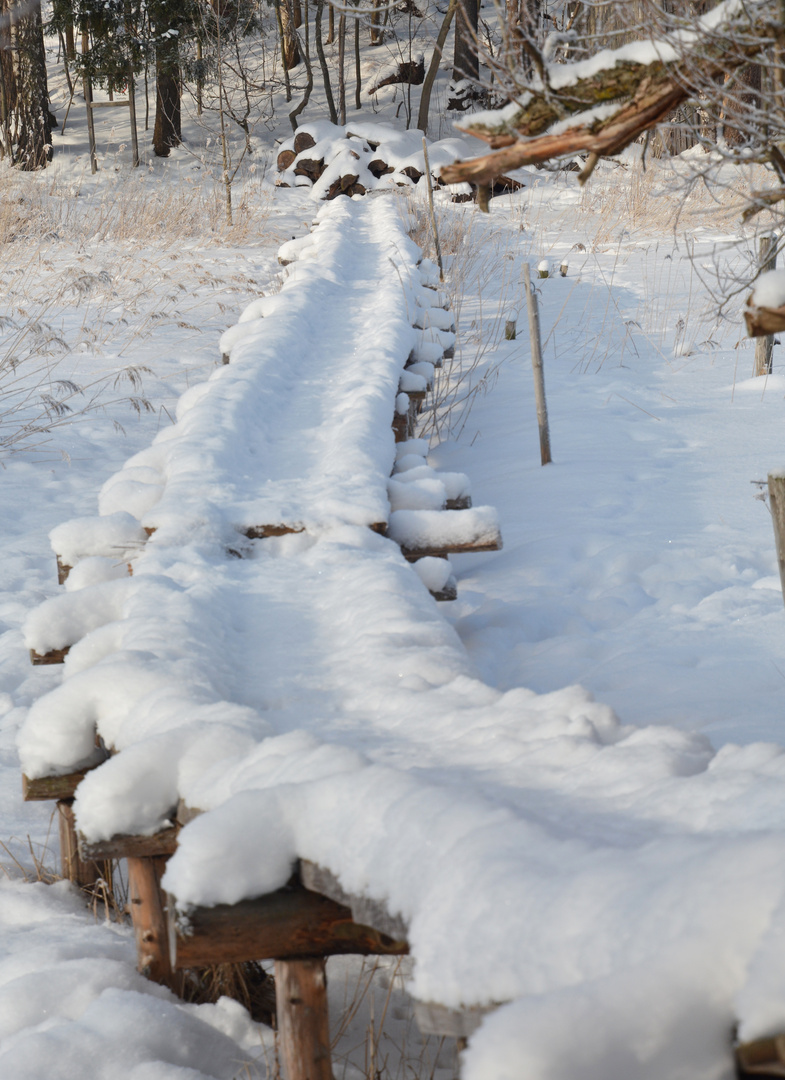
(125, 847)
(56, 656)
(287, 924)
(52, 787)
(364, 909)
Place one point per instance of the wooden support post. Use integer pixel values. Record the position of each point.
(767, 257)
(148, 912)
(539, 380)
(303, 1018)
(85, 873)
(777, 504)
(431, 210)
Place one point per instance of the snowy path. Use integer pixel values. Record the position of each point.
(621, 883)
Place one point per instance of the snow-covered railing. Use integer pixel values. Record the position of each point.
(243, 611)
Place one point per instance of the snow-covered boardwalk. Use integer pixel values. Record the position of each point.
(272, 660)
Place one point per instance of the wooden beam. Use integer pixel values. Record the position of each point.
(148, 912)
(56, 656)
(443, 550)
(63, 570)
(763, 321)
(761, 1058)
(131, 847)
(364, 910)
(262, 532)
(434, 1019)
(288, 924)
(52, 787)
(303, 1018)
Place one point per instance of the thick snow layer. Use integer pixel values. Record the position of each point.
(115, 535)
(769, 290)
(72, 1004)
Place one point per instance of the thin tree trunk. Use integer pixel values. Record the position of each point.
(433, 68)
(357, 67)
(341, 73)
(328, 93)
(309, 72)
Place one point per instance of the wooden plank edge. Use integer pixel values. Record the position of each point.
(290, 923)
(55, 656)
(435, 1019)
(53, 787)
(413, 554)
(760, 1058)
(364, 909)
(122, 846)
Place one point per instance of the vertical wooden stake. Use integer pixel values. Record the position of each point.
(767, 258)
(303, 1019)
(539, 380)
(80, 872)
(149, 918)
(430, 207)
(777, 504)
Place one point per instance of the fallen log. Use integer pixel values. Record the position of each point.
(406, 71)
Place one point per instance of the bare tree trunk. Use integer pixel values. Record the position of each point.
(328, 93)
(290, 44)
(341, 72)
(744, 97)
(25, 117)
(466, 63)
(167, 131)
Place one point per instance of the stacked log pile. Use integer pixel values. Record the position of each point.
(340, 161)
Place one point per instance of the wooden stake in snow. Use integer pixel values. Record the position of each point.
(539, 380)
(429, 182)
(510, 325)
(149, 919)
(767, 257)
(777, 504)
(303, 1021)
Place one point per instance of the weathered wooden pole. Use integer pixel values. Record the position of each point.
(539, 379)
(767, 258)
(149, 918)
(303, 1018)
(777, 504)
(431, 210)
(82, 872)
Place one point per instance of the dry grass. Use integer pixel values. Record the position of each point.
(138, 207)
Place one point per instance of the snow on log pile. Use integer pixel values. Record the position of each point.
(362, 157)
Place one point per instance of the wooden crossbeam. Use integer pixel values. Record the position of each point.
(412, 554)
(52, 787)
(762, 1058)
(364, 910)
(263, 532)
(434, 1019)
(162, 843)
(763, 321)
(56, 656)
(291, 923)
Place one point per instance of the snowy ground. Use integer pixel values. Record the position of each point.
(641, 886)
